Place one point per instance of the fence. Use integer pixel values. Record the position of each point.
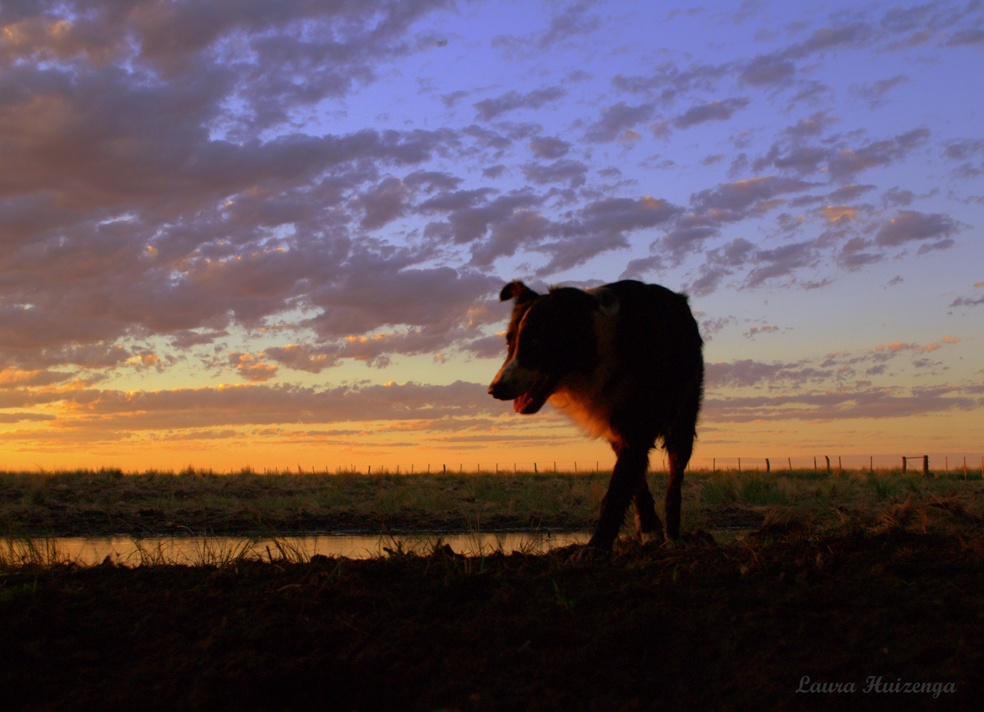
(959, 464)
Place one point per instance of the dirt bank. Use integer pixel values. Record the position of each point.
(762, 623)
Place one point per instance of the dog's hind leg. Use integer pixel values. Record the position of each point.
(630, 468)
(647, 524)
(678, 453)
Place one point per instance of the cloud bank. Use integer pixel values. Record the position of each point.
(267, 192)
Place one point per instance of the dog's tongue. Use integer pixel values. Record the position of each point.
(520, 402)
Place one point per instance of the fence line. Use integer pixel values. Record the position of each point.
(926, 464)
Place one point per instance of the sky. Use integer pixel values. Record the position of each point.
(241, 233)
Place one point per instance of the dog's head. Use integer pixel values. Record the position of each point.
(550, 337)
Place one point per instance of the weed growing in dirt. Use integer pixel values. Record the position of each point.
(29, 551)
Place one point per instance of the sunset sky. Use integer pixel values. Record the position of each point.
(272, 234)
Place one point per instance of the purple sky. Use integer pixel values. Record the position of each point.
(273, 233)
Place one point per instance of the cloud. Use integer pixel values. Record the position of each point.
(522, 228)
(252, 404)
(970, 152)
(489, 109)
(758, 330)
(967, 38)
(377, 295)
(781, 262)
(565, 170)
(616, 120)
(711, 111)
(768, 70)
(788, 379)
(268, 191)
(721, 262)
(857, 253)
(969, 301)
(669, 81)
(302, 357)
(875, 93)
(729, 202)
(602, 226)
(384, 203)
(470, 215)
(911, 225)
(812, 126)
(847, 162)
(572, 21)
(252, 368)
(12, 378)
(856, 403)
(548, 147)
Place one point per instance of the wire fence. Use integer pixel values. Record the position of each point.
(966, 465)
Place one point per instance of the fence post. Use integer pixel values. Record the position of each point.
(827, 458)
(789, 461)
(768, 467)
(904, 463)
(925, 465)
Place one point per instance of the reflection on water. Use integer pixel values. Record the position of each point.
(131, 551)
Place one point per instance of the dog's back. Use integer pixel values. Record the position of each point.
(648, 370)
(658, 352)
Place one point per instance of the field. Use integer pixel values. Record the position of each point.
(788, 590)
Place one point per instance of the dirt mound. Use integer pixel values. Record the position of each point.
(891, 615)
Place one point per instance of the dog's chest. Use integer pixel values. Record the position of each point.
(588, 411)
(588, 399)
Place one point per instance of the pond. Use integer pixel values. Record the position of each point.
(192, 550)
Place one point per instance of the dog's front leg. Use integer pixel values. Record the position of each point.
(630, 468)
(648, 527)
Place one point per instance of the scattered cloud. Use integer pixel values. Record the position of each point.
(912, 225)
(279, 193)
(875, 93)
(489, 109)
(711, 111)
(616, 120)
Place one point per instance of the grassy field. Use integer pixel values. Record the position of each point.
(111, 502)
(869, 582)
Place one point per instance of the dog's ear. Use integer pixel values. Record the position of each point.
(607, 300)
(518, 291)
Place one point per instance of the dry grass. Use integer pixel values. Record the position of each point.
(34, 506)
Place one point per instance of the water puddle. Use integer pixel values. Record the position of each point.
(130, 551)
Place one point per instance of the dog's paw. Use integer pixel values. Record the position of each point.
(650, 540)
(589, 554)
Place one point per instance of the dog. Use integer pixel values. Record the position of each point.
(625, 361)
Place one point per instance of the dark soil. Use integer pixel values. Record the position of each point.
(760, 623)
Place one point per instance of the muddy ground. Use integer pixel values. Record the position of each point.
(768, 622)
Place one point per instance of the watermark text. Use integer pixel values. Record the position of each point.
(875, 684)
